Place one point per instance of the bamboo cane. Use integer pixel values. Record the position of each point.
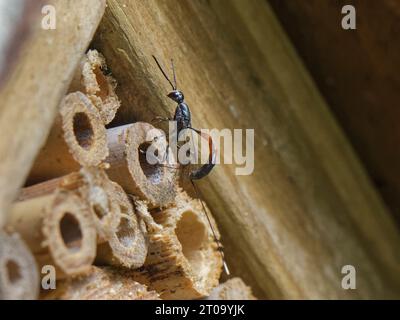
(101, 284)
(121, 233)
(130, 168)
(19, 277)
(59, 230)
(100, 88)
(183, 260)
(127, 245)
(233, 289)
(77, 138)
(33, 91)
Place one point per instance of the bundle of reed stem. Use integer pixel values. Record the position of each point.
(96, 210)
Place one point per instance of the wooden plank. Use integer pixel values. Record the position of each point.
(17, 21)
(308, 209)
(355, 71)
(30, 97)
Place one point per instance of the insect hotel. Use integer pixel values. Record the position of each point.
(85, 88)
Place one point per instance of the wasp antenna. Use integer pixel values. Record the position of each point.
(163, 72)
(220, 249)
(173, 72)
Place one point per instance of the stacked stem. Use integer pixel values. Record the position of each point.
(90, 193)
(58, 229)
(102, 284)
(183, 260)
(19, 278)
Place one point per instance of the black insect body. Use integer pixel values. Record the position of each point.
(182, 114)
(184, 121)
(205, 169)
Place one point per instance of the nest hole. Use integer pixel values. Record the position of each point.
(192, 235)
(125, 232)
(102, 82)
(152, 172)
(99, 211)
(71, 232)
(13, 271)
(83, 130)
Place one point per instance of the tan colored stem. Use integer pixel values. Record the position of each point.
(98, 192)
(78, 137)
(130, 169)
(128, 165)
(48, 187)
(121, 233)
(32, 93)
(183, 260)
(127, 245)
(58, 228)
(233, 289)
(100, 88)
(93, 186)
(101, 284)
(19, 276)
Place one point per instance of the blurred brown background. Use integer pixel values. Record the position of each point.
(357, 72)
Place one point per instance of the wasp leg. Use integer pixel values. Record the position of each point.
(159, 119)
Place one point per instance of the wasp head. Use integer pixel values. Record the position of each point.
(176, 95)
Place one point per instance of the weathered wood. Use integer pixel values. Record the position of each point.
(308, 209)
(91, 79)
(183, 261)
(355, 71)
(34, 90)
(233, 289)
(101, 284)
(17, 23)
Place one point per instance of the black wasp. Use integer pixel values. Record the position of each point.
(183, 120)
